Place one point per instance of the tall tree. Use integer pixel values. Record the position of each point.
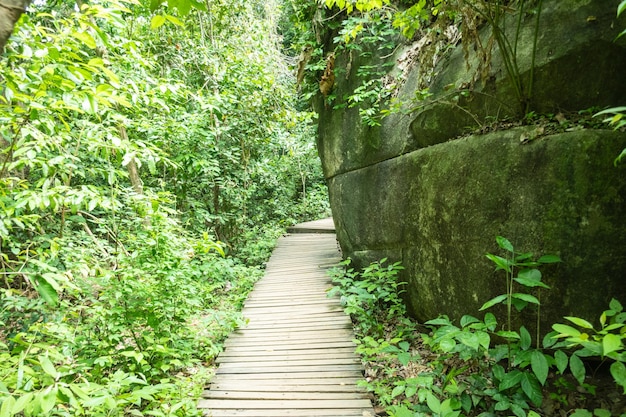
(10, 12)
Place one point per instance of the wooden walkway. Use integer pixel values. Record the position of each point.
(296, 356)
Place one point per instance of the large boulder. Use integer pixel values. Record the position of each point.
(439, 209)
(411, 190)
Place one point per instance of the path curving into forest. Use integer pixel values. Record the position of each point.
(296, 356)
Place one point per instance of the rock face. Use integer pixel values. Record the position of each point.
(406, 190)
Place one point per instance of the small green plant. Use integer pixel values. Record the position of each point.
(371, 295)
(608, 342)
(519, 269)
(456, 369)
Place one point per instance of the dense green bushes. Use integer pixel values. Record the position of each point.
(147, 164)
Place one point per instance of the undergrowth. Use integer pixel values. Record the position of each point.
(445, 368)
(126, 329)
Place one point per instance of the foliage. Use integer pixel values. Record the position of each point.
(459, 369)
(373, 26)
(520, 269)
(366, 293)
(145, 170)
(607, 343)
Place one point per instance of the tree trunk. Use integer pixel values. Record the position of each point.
(133, 171)
(10, 12)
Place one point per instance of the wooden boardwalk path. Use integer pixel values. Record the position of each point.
(296, 356)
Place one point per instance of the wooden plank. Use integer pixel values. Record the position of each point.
(288, 354)
(294, 346)
(265, 368)
(317, 318)
(296, 375)
(318, 385)
(331, 306)
(289, 413)
(327, 358)
(298, 303)
(304, 353)
(286, 404)
(287, 395)
(294, 333)
(289, 328)
(291, 364)
(233, 382)
(284, 344)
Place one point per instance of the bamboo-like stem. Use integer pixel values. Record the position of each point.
(533, 56)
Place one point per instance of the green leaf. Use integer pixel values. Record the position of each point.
(581, 413)
(518, 410)
(48, 367)
(532, 389)
(526, 298)
(612, 110)
(561, 361)
(402, 411)
(398, 390)
(564, 330)
(501, 263)
(467, 319)
(433, 403)
(504, 243)
(7, 406)
(447, 344)
(578, 368)
(157, 21)
(200, 5)
(618, 371)
(498, 372)
(46, 291)
(621, 8)
(22, 402)
(580, 322)
(525, 338)
(530, 278)
(611, 343)
(48, 399)
(601, 412)
(440, 321)
(174, 20)
(549, 259)
(490, 321)
(508, 335)
(410, 391)
(493, 302)
(469, 339)
(539, 365)
(614, 304)
(86, 39)
(622, 155)
(503, 405)
(510, 380)
(483, 339)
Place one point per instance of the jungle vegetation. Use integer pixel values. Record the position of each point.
(150, 154)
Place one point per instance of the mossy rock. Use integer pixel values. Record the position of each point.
(439, 210)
